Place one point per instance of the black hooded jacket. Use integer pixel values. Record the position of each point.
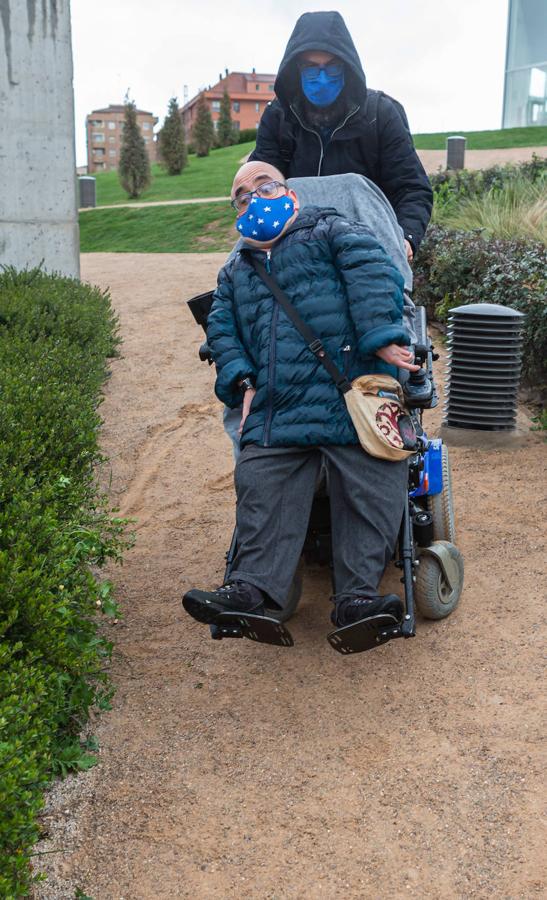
(370, 134)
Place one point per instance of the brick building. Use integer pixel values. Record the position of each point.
(249, 93)
(104, 129)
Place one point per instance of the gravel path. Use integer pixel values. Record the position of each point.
(236, 770)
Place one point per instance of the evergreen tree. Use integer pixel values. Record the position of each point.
(172, 144)
(203, 132)
(225, 131)
(134, 168)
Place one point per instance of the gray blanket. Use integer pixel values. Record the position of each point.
(359, 200)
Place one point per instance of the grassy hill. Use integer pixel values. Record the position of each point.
(486, 140)
(211, 176)
(199, 227)
(207, 176)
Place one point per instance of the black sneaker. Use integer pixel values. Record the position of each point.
(236, 596)
(352, 608)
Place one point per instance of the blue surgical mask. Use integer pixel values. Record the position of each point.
(264, 218)
(322, 84)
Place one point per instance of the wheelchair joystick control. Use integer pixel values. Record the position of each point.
(418, 389)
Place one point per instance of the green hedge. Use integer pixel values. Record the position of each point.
(459, 267)
(55, 528)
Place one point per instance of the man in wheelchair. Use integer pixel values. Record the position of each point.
(294, 420)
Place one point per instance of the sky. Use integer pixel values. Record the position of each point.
(443, 60)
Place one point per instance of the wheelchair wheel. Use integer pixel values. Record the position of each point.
(441, 506)
(295, 592)
(434, 597)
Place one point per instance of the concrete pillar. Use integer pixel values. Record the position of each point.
(38, 205)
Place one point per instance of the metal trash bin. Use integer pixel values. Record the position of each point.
(483, 373)
(87, 191)
(455, 152)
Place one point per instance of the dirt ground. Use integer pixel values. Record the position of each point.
(237, 770)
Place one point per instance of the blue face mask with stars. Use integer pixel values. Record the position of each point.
(264, 218)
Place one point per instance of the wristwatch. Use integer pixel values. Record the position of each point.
(246, 385)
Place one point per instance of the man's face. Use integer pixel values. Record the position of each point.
(317, 58)
(264, 178)
(273, 185)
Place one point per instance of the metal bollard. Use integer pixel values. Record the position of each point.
(455, 152)
(87, 191)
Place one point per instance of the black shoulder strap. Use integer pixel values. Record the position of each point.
(314, 343)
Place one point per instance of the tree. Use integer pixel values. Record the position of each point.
(134, 168)
(172, 144)
(225, 131)
(203, 132)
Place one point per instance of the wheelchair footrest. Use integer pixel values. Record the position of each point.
(255, 628)
(365, 634)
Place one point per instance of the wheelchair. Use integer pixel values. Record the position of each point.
(432, 568)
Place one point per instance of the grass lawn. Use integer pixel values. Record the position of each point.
(486, 140)
(207, 176)
(199, 227)
(211, 176)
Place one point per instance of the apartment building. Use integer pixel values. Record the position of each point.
(249, 93)
(104, 129)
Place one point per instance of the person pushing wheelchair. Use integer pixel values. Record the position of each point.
(295, 421)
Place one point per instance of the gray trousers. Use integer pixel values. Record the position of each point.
(275, 489)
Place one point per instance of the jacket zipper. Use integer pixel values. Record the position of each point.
(349, 115)
(318, 136)
(271, 361)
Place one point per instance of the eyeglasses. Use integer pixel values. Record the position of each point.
(268, 189)
(313, 72)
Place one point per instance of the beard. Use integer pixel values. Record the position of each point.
(324, 116)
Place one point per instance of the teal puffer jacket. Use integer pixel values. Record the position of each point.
(348, 291)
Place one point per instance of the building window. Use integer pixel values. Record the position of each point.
(112, 153)
(111, 125)
(98, 138)
(236, 106)
(236, 125)
(146, 126)
(215, 105)
(257, 87)
(98, 151)
(257, 106)
(96, 123)
(146, 140)
(111, 140)
(270, 87)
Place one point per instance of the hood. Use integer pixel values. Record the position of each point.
(319, 31)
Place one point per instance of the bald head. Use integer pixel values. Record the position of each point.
(252, 173)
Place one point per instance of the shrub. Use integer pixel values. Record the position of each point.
(450, 188)
(246, 135)
(134, 168)
(226, 135)
(55, 336)
(519, 210)
(454, 268)
(172, 140)
(203, 132)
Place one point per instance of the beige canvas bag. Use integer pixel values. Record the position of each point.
(375, 418)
